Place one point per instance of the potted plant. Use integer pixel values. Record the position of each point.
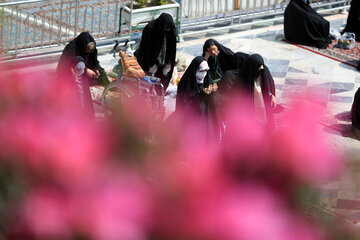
(138, 13)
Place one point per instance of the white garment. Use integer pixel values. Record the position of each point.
(259, 105)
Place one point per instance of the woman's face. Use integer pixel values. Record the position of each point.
(213, 50)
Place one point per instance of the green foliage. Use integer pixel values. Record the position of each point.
(159, 2)
(142, 3)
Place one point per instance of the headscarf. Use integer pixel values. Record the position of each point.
(238, 59)
(79, 47)
(222, 62)
(189, 91)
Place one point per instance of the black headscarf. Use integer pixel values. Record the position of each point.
(78, 47)
(353, 20)
(238, 60)
(244, 78)
(189, 93)
(152, 41)
(222, 62)
(303, 25)
(355, 110)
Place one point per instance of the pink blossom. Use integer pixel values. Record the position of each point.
(46, 213)
(109, 207)
(114, 207)
(300, 147)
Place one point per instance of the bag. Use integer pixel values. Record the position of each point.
(346, 41)
(130, 66)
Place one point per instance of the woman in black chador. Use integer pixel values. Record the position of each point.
(157, 51)
(353, 20)
(83, 46)
(196, 93)
(255, 79)
(221, 58)
(303, 25)
(355, 113)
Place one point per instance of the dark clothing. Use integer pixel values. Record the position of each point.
(77, 47)
(243, 79)
(355, 110)
(192, 99)
(222, 62)
(158, 41)
(353, 20)
(303, 25)
(238, 60)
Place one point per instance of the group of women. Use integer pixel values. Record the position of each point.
(210, 79)
(204, 87)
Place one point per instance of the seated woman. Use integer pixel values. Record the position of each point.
(157, 50)
(353, 20)
(255, 79)
(195, 94)
(303, 25)
(221, 58)
(355, 113)
(83, 46)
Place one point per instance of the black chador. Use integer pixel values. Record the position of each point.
(353, 20)
(158, 47)
(303, 25)
(355, 111)
(83, 46)
(192, 98)
(244, 79)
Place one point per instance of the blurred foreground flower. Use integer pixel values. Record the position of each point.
(66, 176)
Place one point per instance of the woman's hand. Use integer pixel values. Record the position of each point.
(153, 69)
(211, 88)
(166, 69)
(93, 74)
(215, 87)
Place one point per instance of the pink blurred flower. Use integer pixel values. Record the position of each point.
(46, 213)
(116, 206)
(46, 129)
(294, 151)
(109, 208)
(300, 147)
